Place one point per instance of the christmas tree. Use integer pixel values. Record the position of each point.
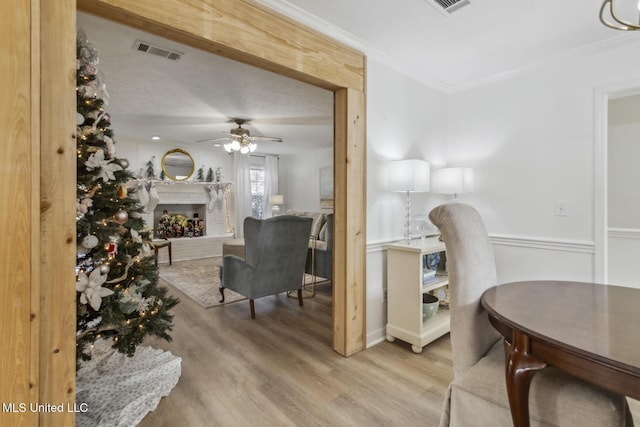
(118, 297)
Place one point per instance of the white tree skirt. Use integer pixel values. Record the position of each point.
(116, 390)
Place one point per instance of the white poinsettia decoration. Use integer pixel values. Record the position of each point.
(135, 236)
(82, 206)
(107, 167)
(146, 251)
(91, 288)
(111, 147)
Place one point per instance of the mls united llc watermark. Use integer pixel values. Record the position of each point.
(44, 407)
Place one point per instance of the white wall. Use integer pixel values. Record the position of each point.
(531, 140)
(405, 120)
(623, 191)
(299, 179)
(138, 153)
(623, 157)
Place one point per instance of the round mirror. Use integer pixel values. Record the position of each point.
(177, 164)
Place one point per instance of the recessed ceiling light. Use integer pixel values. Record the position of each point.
(155, 137)
(216, 145)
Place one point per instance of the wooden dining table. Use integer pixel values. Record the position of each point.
(591, 331)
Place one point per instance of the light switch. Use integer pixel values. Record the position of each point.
(561, 209)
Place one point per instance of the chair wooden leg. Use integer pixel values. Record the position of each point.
(300, 300)
(221, 289)
(253, 310)
(169, 253)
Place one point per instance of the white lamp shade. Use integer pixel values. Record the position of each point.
(277, 199)
(408, 175)
(454, 180)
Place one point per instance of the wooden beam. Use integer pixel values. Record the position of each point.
(245, 31)
(57, 319)
(18, 170)
(349, 296)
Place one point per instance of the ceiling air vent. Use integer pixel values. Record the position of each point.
(447, 7)
(145, 47)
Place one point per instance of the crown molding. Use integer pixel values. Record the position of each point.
(326, 28)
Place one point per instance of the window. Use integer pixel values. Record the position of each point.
(257, 191)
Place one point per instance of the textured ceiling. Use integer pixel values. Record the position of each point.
(195, 97)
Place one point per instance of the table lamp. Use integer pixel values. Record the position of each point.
(276, 200)
(454, 181)
(408, 176)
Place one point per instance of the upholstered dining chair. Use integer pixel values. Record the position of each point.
(477, 396)
(275, 255)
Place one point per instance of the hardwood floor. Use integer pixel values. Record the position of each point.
(279, 370)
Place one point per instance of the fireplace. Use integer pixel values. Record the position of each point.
(179, 220)
(192, 203)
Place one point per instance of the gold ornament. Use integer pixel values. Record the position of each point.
(122, 191)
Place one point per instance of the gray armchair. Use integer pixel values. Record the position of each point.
(320, 258)
(478, 396)
(275, 254)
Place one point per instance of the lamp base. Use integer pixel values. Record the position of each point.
(275, 210)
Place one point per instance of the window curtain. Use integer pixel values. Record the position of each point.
(270, 183)
(242, 191)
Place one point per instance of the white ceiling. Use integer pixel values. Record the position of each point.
(482, 42)
(193, 98)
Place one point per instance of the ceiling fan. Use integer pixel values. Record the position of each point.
(241, 139)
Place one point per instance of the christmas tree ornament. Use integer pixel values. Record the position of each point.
(112, 246)
(89, 242)
(79, 119)
(122, 191)
(121, 216)
(105, 269)
(124, 163)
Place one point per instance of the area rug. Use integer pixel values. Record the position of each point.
(199, 280)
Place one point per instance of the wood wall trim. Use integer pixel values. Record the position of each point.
(349, 296)
(17, 268)
(57, 209)
(34, 376)
(244, 31)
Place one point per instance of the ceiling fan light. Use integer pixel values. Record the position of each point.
(252, 147)
(235, 145)
(227, 148)
(244, 149)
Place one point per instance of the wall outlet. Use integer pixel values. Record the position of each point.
(560, 209)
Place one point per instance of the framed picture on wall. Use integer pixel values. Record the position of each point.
(326, 187)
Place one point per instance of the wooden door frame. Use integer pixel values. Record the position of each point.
(238, 29)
